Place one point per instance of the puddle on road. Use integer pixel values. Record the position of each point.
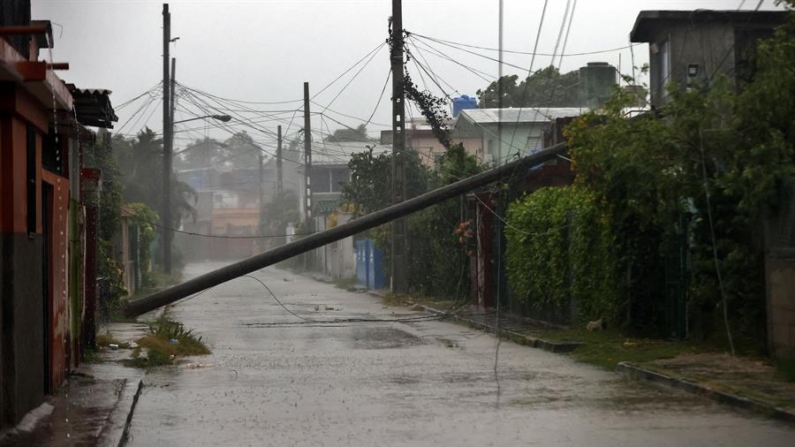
(383, 338)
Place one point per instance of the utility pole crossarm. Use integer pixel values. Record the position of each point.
(351, 228)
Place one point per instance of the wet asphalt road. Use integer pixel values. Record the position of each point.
(276, 380)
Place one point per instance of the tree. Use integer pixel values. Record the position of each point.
(719, 155)
(141, 169)
(202, 154)
(546, 87)
(242, 151)
(359, 134)
(100, 156)
(370, 186)
(275, 217)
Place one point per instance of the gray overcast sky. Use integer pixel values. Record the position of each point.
(261, 50)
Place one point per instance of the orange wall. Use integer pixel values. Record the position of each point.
(19, 110)
(58, 275)
(428, 146)
(22, 110)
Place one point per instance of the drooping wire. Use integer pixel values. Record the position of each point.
(587, 53)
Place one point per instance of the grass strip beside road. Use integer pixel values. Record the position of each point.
(608, 348)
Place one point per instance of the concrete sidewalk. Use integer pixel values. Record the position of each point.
(93, 408)
(740, 382)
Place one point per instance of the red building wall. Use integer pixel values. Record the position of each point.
(59, 311)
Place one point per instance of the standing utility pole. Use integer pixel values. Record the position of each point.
(167, 150)
(307, 156)
(279, 178)
(261, 160)
(398, 265)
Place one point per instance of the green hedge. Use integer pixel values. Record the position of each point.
(559, 249)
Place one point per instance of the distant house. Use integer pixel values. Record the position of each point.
(228, 205)
(692, 47)
(507, 134)
(420, 138)
(126, 247)
(330, 170)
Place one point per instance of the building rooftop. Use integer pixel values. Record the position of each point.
(518, 115)
(93, 106)
(648, 22)
(335, 153)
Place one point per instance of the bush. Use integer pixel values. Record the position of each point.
(559, 249)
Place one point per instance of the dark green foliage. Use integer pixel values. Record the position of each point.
(146, 220)
(370, 186)
(432, 108)
(141, 172)
(546, 87)
(560, 248)
(735, 149)
(100, 156)
(438, 254)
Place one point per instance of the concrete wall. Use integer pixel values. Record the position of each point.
(23, 326)
(708, 45)
(512, 141)
(21, 291)
(779, 229)
(428, 147)
(780, 276)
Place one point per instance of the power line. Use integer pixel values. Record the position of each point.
(481, 74)
(374, 54)
(378, 47)
(428, 66)
(219, 236)
(534, 53)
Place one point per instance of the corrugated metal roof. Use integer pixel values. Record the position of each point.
(93, 106)
(519, 115)
(333, 153)
(326, 206)
(90, 91)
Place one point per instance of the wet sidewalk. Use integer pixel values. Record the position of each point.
(741, 382)
(91, 409)
(744, 383)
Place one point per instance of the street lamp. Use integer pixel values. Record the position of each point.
(224, 118)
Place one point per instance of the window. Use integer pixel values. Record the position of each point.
(338, 177)
(533, 144)
(663, 76)
(31, 179)
(226, 180)
(51, 155)
(319, 180)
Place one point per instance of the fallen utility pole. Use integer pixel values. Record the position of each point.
(322, 238)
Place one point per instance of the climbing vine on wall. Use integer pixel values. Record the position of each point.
(559, 250)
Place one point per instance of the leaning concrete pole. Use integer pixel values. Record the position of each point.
(322, 238)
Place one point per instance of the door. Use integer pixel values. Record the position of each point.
(46, 223)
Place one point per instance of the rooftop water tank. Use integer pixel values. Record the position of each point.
(597, 81)
(463, 102)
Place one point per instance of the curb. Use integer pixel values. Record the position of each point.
(125, 435)
(117, 430)
(631, 371)
(525, 340)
